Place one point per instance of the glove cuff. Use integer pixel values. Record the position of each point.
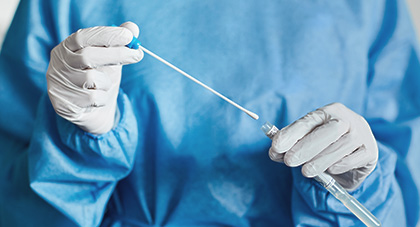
(124, 129)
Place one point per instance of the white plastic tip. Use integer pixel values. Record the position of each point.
(253, 115)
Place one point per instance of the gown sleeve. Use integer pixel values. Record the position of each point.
(45, 156)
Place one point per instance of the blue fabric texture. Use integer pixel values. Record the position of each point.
(180, 156)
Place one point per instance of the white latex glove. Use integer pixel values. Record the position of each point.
(333, 139)
(85, 72)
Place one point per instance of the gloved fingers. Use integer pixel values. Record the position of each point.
(100, 36)
(90, 98)
(288, 136)
(132, 27)
(80, 115)
(96, 80)
(277, 157)
(94, 57)
(82, 98)
(330, 155)
(336, 109)
(315, 142)
(360, 158)
(86, 79)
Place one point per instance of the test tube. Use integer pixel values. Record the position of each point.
(335, 189)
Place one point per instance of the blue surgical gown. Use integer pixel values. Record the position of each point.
(180, 156)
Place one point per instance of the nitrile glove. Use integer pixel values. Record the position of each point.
(333, 139)
(84, 75)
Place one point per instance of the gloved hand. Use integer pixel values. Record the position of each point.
(85, 72)
(333, 139)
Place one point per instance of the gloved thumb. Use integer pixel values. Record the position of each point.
(132, 27)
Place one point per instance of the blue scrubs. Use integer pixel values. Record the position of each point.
(181, 156)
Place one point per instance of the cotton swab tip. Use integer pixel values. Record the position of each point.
(253, 115)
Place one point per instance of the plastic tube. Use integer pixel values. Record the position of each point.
(335, 189)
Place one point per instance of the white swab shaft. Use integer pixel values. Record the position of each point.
(251, 114)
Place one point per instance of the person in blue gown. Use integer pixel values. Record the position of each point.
(177, 155)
